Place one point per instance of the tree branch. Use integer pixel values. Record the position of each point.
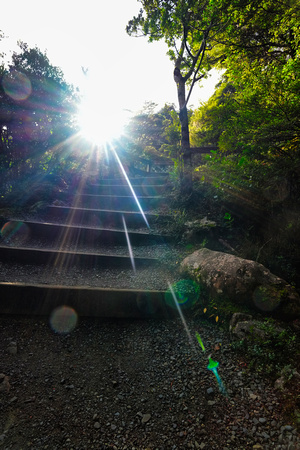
(195, 78)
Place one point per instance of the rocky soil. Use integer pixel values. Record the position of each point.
(131, 385)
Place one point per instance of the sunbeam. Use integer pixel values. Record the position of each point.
(182, 317)
(63, 261)
(131, 188)
(128, 244)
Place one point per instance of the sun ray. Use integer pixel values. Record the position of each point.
(131, 188)
(182, 317)
(129, 244)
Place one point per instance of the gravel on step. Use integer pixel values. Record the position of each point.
(128, 278)
(166, 252)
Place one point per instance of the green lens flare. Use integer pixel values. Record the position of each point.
(213, 367)
(200, 341)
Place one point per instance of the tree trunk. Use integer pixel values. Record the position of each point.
(185, 155)
(183, 116)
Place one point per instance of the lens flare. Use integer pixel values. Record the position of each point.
(267, 298)
(187, 293)
(17, 85)
(129, 245)
(15, 232)
(131, 188)
(213, 367)
(63, 319)
(99, 120)
(176, 303)
(200, 341)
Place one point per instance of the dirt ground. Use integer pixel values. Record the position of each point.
(125, 384)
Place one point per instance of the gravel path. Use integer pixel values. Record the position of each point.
(131, 385)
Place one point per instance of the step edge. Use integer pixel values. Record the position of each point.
(77, 287)
(80, 253)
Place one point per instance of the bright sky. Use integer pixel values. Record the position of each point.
(124, 72)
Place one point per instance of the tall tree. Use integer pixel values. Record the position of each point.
(188, 27)
(37, 107)
(254, 116)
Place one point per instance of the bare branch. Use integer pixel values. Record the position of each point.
(195, 78)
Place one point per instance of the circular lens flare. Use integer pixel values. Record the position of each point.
(267, 298)
(17, 85)
(15, 232)
(185, 293)
(63, 319)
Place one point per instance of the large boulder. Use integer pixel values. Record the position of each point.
(244, 281)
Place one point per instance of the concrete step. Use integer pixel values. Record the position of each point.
(124, 189)
(105, 217)
(75, 258)
(91, 235)
(47, 263)
(151, 179)
(120, 202)
(24, 299)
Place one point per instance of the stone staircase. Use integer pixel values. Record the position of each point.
(101, 251)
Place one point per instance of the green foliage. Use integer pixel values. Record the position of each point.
(37, 110)
(254, 115)
(228, 220)
(271, 351)
(176, 176)
(153, 134)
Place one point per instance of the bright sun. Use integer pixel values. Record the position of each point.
(100, 119)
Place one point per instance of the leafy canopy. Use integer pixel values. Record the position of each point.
(185, 26)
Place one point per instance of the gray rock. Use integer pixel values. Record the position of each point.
(245, 281)
(12, 348)
(200, 224)
(248, 330)
(146, 418)
(238, 317)
(262, 420)
(4, 383)
(279, 383)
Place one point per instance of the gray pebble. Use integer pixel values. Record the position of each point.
(146, 418)
(262, 420)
